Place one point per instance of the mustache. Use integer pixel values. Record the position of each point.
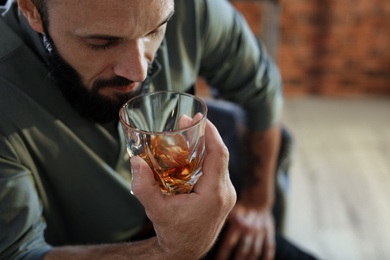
(117, 81)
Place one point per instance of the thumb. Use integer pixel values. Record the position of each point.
(143, 185)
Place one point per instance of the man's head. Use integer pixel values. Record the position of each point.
(100, 50)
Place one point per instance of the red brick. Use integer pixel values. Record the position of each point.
(331, 47)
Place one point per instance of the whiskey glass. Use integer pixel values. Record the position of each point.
(166, 129)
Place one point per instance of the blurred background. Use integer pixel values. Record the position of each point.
(334, 56)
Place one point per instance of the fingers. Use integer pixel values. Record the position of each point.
(229, 242)
(252, 246)
(248, 235)
(269, 246)
(240, 246)
(143, 185)
(197, 117)
(251, 239)
(186, 121)
(215, 165)
(189, 221)
(258, 246)
(214, 137)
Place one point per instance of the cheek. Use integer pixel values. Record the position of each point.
(89, 65)
(151, 47)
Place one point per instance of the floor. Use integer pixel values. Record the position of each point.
(340, 178)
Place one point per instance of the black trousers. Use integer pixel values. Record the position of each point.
(230, 122)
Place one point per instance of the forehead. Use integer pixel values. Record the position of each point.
(104, 16)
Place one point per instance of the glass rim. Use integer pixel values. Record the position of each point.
(123, 108)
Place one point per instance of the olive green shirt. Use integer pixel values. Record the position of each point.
(65, 180)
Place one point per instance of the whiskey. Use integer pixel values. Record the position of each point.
(176, 162)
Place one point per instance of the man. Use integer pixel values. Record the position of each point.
(66, 69)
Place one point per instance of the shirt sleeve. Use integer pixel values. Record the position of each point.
(21, 222)
(237, 65)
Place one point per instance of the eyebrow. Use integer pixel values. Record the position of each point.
(169, 17)
(116, 38)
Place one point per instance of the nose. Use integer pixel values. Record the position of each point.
(132, 62)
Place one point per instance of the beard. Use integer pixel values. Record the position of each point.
(88, 103)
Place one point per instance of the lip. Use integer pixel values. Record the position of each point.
(124, 89)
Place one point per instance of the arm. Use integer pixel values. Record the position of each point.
(186, 225)
(251, 228)
(147, 249)
(239, 67)
(263, 147)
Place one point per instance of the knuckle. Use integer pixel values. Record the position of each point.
(225, 155)
(227, 199)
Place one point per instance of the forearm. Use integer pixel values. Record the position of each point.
(146, 249)
(262, 152)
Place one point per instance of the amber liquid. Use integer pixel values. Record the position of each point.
(175, 165)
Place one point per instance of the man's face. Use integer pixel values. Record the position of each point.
(103, 49)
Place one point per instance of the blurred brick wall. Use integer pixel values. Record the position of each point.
(330, 47)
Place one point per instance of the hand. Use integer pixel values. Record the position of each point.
(187, 225)
(249, 234)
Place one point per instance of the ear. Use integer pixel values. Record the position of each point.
(30, 11)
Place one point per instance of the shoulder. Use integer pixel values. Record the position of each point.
(9, 40)
(202, 8)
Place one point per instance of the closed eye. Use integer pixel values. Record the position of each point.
(102, 43)
(157, 32)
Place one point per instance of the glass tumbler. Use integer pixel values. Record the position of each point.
(166, 129)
